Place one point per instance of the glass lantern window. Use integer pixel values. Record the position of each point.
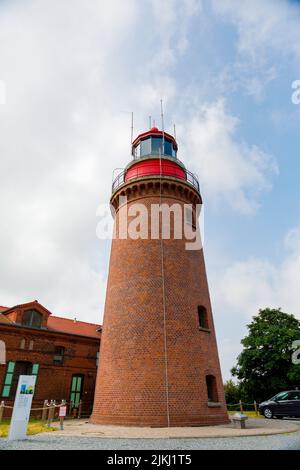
(137, 151)
(168, 148)
(153, 146)
(156, 145)
(145, 147)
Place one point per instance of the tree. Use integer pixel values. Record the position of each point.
(232, 392)
(265, 365)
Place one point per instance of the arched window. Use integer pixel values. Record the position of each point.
(31, 343)
(202, 317)
(32, 318)
(212, 393)
(2, 352)
(22, 344)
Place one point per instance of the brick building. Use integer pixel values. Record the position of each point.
(62, 353)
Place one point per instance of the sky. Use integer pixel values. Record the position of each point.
(73, 71)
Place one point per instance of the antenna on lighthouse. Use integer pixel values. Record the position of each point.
(131, 133)
(175, 131)
(162, 116)
(150, 122)
(131, 128)
(162, 125)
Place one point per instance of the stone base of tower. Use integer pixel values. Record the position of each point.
(162, 421)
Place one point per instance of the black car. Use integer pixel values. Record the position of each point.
(283, 404)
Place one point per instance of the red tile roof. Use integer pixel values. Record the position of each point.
(73, 326)
(65, 325)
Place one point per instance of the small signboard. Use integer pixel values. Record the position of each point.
(22, 407)
(62, 411)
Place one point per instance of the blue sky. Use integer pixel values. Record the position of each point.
(74, 71)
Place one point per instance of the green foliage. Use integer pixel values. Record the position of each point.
(232, 392)
(265, 366)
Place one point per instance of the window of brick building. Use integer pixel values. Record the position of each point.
(31, 343)
(59, 354)
(13, 371)
(202, 317)
(212, 394)
(76, 390)
(8, 379)
(32, 318)
(22, 344)
(35, 369)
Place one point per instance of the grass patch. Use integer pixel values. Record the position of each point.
(34, 427)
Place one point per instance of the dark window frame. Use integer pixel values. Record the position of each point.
(32, 319)
(211, 388)
(202, 318)
(59, 355)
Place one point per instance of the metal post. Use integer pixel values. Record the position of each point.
(51, 413)
(241, 406)
(45, 411)
(79, 409)
(70, 408)
(1, 411)
(255, 407)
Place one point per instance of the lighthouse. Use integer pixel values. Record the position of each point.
(159, 362)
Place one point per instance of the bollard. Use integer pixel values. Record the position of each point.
(241, 406)
(255, 407)
(79, 409)
(45, 411)
(1, 411)
(239, 419)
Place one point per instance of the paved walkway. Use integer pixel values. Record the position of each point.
(51, 441)
(254, 427)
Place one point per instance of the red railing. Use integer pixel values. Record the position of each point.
(141, 172)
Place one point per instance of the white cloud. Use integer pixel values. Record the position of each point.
(170, 24)
(263, 26)
(230, 349)
(231, 170)
(268, 34)
(74, 71)
(246, 286)
(249, 285)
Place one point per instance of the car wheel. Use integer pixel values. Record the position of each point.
(268, 413)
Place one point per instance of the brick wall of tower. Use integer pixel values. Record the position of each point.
(133, 387)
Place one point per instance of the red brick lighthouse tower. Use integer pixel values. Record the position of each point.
(159, 362)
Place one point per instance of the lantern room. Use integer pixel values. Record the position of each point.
(154, 142)
(154, 155)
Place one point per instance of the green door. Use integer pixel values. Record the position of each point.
(76, 390)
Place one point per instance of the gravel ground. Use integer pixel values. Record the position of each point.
(50, 441)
